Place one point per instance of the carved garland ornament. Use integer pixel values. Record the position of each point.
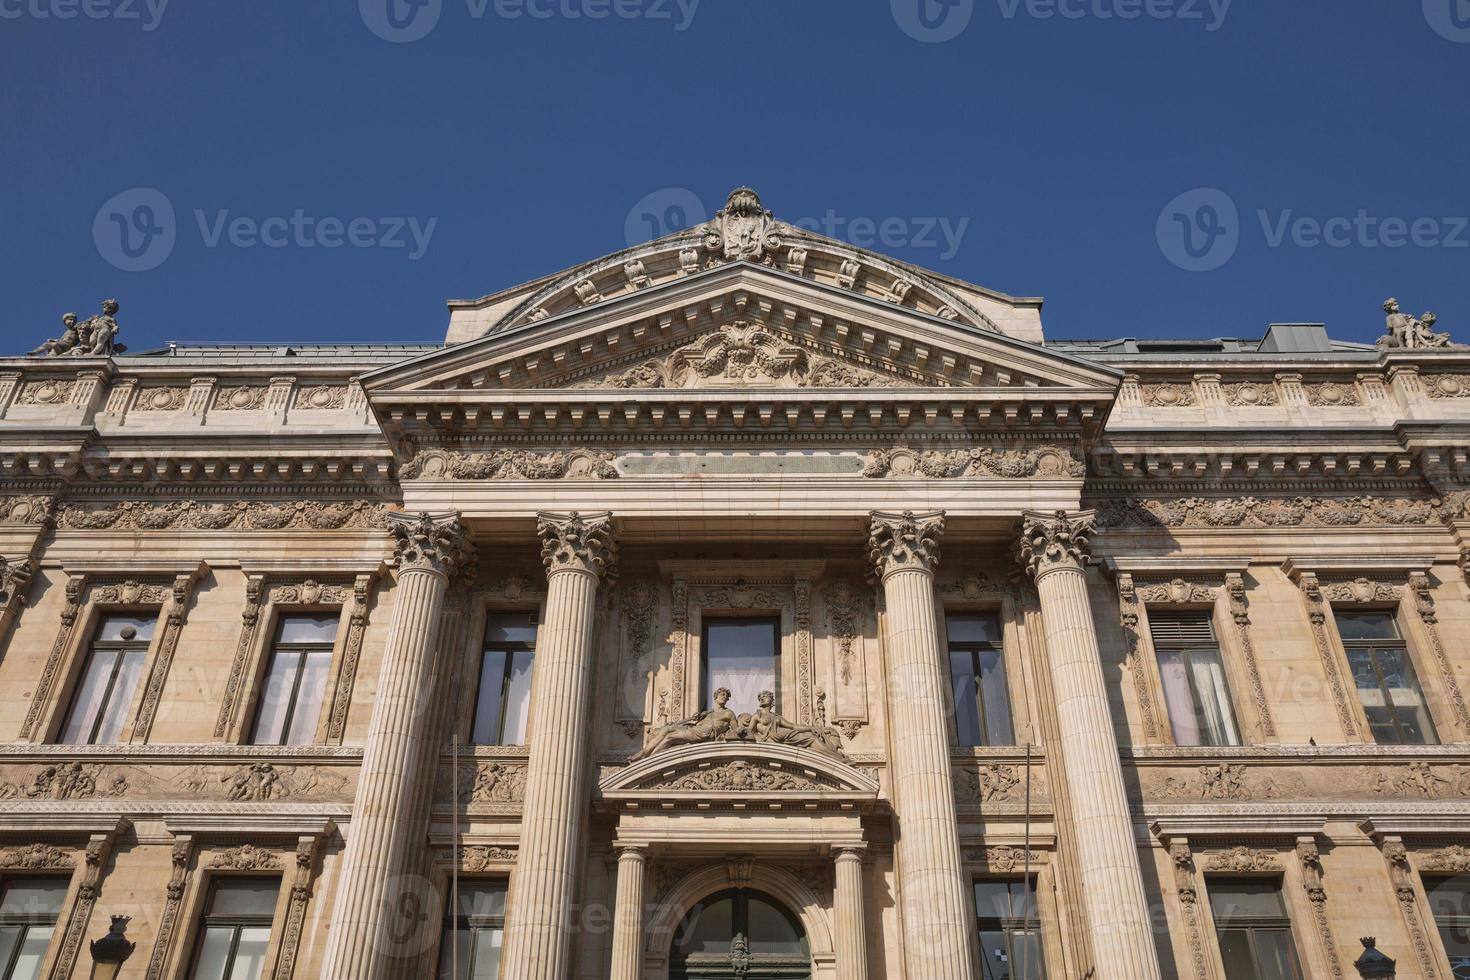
(27, 511)
(741, 776)
(1178, 512)
(1249, 394)
(511, 464)
(1047, 461)
(241, 515)
(1447, 385)
(845, 608)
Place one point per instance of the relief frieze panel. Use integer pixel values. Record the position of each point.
(995, 782)
(240, 783)
(1246, 783)
(1048, 462)
(239, 515)
(1300, 511)
(511, 464)
(498, 784)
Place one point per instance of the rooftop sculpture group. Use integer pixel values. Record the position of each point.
(94, 337)
(1407, 332)
(720, 724)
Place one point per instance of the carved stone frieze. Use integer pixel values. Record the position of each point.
(1005, 860)
(740, 776)
(36, 857)
(477, 858)
(246, 857)
(1177, 591)
(48, 392)
(1168, 395)
(846, 604)
(160, 399)
(576, 542)
(1454, 858)
(1249, 394)
(1242, 858)
(1227, 781)
(1047, 462)
(431, 543)
(497, 782)
(310, 592)
(1319, 511)
(1330, 394)
(993, 781)
(1420, 780)
(1360, 590)
(255, 782)
(977, 586)
(239, 399)
(741, 596)
(28, 510)
(511, 464)
(1054, 541)
(240, 515)
(904, 542)
(1447, 385)
(322, 397)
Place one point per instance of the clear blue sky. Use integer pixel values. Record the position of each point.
(1051, 147)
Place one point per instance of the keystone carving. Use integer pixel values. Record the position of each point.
(904, 542)
(743, 229)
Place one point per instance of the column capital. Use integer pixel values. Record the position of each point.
(904, 542)
(631, 851)
(1053, 540)
(841, 851)
(577, 543)
(431, 543)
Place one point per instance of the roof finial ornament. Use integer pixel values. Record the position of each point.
(1407, 332)
(94, 337)
(743, 229)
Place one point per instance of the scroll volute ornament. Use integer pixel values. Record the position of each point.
(15, 580)
(1056, 540)
(904, 542)
(431, 543)
(577, 543)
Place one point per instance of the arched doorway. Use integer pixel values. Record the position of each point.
(740, 934)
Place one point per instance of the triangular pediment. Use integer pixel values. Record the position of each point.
(741, 325)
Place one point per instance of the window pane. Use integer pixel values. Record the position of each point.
(9, 940)
(32, 952)
(275, 697)
(250, 953)
(137, 629)
(997, 699)
(120, 700)
(214, 953)
(743, 657)
(1246, 899)
(1175, 675)
(87, 704)
(517, 699)
(510, 628)
(1405, 696)
(33, 896)
(1005, 900)
(318, 630)
(1235, 951)
(770, 932)
(966, 699)
(1449, 901)
(1367, 626)
(481, 901)
(973, 629)
(487, 954)
(454, 950)
(708, 928)
(309, 694)
(1276, 954)
(487, 705)
(1211, 698)
(244, 897)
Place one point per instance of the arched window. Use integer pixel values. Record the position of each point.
(740, 933)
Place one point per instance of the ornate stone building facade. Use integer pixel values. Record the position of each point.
(744, 604)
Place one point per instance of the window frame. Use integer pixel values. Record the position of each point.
(28, 921)
(274, 646)
(1337, 613)
(453, 920)
(975, 649)
(202, 920)
(1276, 882)
(775, 621)
(83, 660)
(1217, 647)
(1006, 925)
(483, 647)
(1426, 883)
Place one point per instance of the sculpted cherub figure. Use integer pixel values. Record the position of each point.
(767, 726)
(717, 724)
(62, 344)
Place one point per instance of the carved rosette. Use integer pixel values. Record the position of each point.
(906, 542)
(1055, 542)
(432, 543)
(571, 542)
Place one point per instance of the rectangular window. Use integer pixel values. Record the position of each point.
(296, 681)
(503, 704)
(109, 678)
(743, 655)
(977, 674)
(1387, 685)
(236, 929)
(1449, 900)
(1254, 930)
(474, 934)
(29, 908)
(1194, 678)
(1010, 933)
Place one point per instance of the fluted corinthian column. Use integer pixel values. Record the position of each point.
(1054, 550)
(627, 951)
(934, 895)
(577, 551)
(369, 938)
(852, 937)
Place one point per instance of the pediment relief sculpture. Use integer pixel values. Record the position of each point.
(511, 464)
(1047, 462)
(743, 354)
(720, 724)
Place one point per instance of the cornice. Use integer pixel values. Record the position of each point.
(1147, 566)
(1197, 825)
(1337, 566)
(233, 825)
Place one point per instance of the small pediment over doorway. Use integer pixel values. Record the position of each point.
(735, 776)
